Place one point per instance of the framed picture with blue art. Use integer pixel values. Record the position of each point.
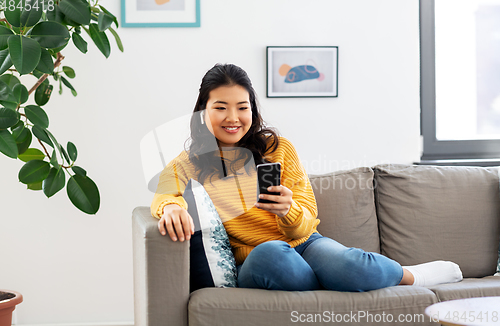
(160, 13)
(302, 71)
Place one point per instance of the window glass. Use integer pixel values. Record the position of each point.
(467, 53)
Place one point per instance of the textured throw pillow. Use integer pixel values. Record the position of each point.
(212, 262)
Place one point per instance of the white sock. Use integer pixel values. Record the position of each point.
(435, 272)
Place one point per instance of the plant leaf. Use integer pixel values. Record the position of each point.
(23, 13)
(53, 160)
(78, 170)
(37, 115)
(117, 39)
(76, 10)
(7, 99)
(67, 83)
(23, 139)
(69, 71)
(55, 15)
(10, 80)
(100, 40)
(42, 93)
(24, 52)
(5, 61)
(79, 42)
(72, 151)
(41, 134)
(12, 104)
(20, 93)
(55, 181)
(107, 12)
(83, 193)
(5, 33)
(34, 171)
(63, 151)
(50, 34)
(37, 73)
(17, 129)
(46, 64)
(8, 144)
(8, 118)
(31, 13)
(5, 90)
(58, 146)
(35, 186)
(104, 21)
(54, 52)
(31, 154)
(13, 16)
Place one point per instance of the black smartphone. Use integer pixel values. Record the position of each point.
(268, 174)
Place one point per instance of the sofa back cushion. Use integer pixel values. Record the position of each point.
(346, 207)
(430, 213)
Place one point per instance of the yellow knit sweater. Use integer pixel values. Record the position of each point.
(234, 197)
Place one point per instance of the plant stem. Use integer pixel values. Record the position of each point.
(5, 20)
(44, 149)
(47, 153)
(60, 57)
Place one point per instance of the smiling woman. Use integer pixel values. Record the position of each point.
(275, 244)
(228, 114)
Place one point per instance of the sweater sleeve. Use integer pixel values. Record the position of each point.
(301, 219)
(173, 181)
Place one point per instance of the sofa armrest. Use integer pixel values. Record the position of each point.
(161, 274)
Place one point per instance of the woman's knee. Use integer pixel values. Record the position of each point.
(268, 250)
(275, 265)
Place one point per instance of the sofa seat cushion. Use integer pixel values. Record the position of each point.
(468, 288)
(237, 306)
(346, 208)
(430, 213)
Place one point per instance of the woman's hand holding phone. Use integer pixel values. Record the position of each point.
(177, 222)
(283, 200)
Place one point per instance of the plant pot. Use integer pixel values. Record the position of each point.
(8, 305)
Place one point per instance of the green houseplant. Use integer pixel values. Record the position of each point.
(32, 35)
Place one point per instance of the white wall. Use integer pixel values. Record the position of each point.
(74, 268)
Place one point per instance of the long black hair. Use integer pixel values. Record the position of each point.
(259, 140)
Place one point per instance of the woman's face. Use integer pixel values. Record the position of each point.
(228, 115)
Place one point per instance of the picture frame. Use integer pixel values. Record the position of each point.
(302, 71)
(160, 13)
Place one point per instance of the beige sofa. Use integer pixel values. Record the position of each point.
(412, 214)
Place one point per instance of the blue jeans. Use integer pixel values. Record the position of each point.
(318, 263)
